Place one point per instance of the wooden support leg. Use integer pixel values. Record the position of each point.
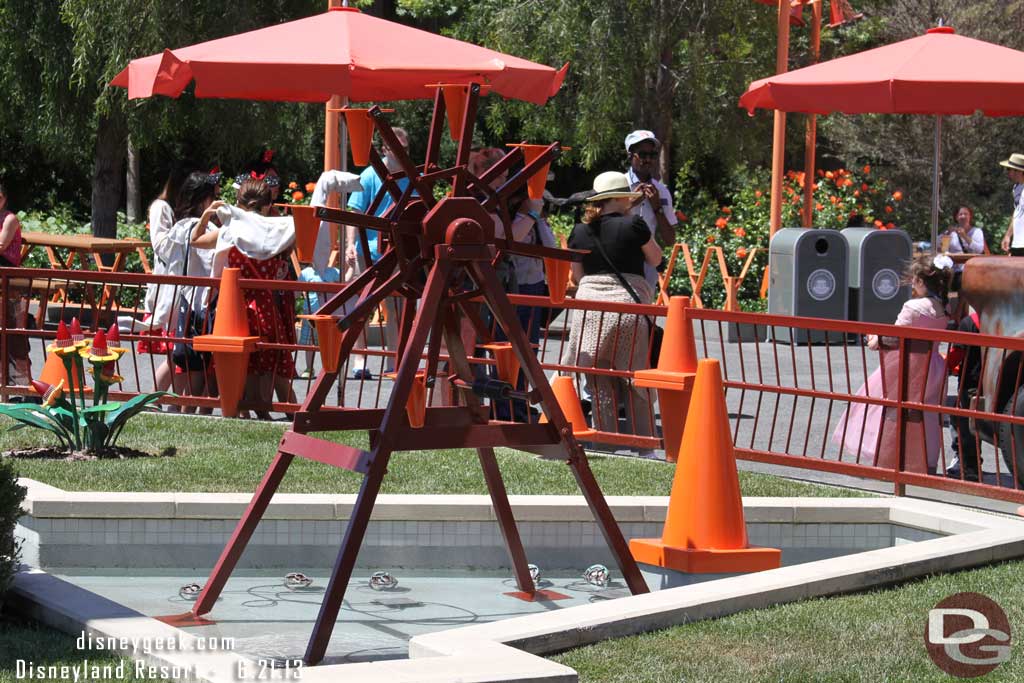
(577, 460)
(243, 532)
(506, 521)
(394, 416)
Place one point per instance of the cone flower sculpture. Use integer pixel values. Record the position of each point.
(230, 342)
(673, 378)
(704, 528)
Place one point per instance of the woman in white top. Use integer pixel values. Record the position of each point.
(965, 238)
(181, 258)
(161, 219)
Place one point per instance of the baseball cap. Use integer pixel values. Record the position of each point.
(638, 136)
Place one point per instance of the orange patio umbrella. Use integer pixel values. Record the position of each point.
(339, 52)
(938, 73)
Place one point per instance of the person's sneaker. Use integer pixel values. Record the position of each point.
(306, 374)
(362, 373)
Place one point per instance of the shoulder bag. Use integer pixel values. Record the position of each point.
(656, 332)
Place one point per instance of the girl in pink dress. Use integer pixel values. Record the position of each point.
(869, 432)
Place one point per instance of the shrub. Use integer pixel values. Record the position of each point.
(11, 497)
(739, 221)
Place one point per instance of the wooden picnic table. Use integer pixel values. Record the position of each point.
(87, 248)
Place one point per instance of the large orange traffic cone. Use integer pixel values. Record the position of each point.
(230, 342)
(673, 378)
(704, 528)
(569, 402)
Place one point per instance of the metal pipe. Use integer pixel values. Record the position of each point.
(779, 130)
(935, 184)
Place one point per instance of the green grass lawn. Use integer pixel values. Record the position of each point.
(873, 637)
(42, 646)
(202, 454)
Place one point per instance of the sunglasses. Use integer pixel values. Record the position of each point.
(646, 155)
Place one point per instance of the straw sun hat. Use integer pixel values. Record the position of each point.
(611, 185)
(1016, 162)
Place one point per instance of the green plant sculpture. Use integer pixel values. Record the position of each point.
(63, 411)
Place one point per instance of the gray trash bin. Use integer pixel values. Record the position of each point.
(807, 277)
(877, 261)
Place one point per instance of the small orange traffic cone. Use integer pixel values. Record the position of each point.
(535, 184)
(704, 528)
(673, 378)
(360, 134)
(328, 338)
(506, 361)
(230, 342)
(556, 271)
(307, 225)
(54, 371)
(455, 105)
(569, 402)
(416, 405)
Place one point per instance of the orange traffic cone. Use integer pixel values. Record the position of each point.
(307, 225)
(54, 371)
(704, 528)
(328, 338)
(230, 342)
(360, 134)
(416, 405)
(673, 378)
(535, 184)
(455, 105)
(557, 273)
(569, 402)
(506, 361)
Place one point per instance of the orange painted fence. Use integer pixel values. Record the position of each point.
(797, 406)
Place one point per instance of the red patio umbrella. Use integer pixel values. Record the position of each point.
(340, 52)
(938, 73)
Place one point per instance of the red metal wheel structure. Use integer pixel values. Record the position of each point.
(440, 260)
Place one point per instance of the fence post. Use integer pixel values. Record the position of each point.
(899, 488)
(4, 297)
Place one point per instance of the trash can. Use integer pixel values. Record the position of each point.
(878, 259)
(807, 277)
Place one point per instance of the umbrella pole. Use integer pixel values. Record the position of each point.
(935, 185)
(779, 131)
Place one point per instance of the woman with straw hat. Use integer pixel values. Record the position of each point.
(613, 271)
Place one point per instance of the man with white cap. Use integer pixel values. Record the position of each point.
(1013, 241)
(655, 206)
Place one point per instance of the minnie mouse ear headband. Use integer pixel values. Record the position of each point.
(270, 180)
(214, 176)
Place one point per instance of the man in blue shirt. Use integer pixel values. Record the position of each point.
(356, 261)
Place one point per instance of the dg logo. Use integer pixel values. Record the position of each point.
(967, 635)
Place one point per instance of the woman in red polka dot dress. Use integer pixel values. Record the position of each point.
(271, 312)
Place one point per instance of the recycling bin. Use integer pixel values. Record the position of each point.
(808, 272)
(878, 259)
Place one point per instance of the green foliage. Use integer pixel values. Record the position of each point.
(12, 495)
(738, 220)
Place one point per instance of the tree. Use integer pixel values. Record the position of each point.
(60, 56)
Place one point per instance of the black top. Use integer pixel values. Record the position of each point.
(622, 237)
